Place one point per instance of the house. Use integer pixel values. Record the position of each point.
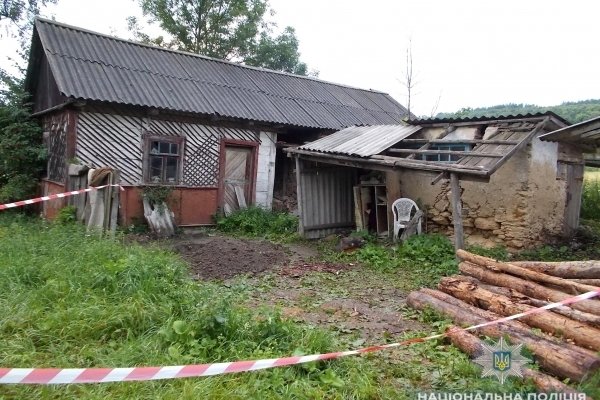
(503, 180)
(213, 130)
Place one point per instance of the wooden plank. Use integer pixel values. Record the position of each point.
(114, 207)
(239, 193)
(428, 145)
(459, 240)
(449, 152)
(483, 122)
(299, 196)
(519, 146)
(358, 214)
(394, 192)
(573, 200)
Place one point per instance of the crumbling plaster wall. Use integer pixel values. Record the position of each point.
(521, 206)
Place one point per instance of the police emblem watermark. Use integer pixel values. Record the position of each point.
(502, 360)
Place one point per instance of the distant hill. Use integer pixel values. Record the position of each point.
(571, 111)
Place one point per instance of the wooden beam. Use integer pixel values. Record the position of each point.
(442, 175)
(394, 192)
(471, 141)
(299, 196)
(459, 239)
(431, 165)
(449, 152)
(519, 146)
(350, 163)
(469, 123)
(428, 145)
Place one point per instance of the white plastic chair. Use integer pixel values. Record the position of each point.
(402, 209)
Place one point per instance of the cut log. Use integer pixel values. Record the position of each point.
(593, 282)
(515, 325)
(471, 345)
(530, 289)
(553, 358)
(519, 297)
(583, 334)
(572, 287)
(564, 269)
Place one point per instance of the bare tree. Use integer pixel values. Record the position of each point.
(435, 106)
(408, 80)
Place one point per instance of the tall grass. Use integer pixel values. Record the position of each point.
(73, 301)
(590, 198)
(256, 221)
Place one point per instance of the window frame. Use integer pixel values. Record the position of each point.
(148, 139)
(447, 147)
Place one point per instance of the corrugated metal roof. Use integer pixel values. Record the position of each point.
(92, 66)
(363, 141)
(586, 132)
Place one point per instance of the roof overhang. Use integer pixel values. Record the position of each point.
(478, 164)
(586, 133)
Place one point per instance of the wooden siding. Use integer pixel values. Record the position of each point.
(116, 140)
(56, 128)
(46, 94)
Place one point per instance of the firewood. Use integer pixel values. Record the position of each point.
(515, 324)
(581, 333)
(528, 288)
(553, 358)
(593, 282)
(572, 287)
(518, 297)
(471, 345)
(564, 269)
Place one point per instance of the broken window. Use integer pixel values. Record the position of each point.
(163, 159)
(446, 157)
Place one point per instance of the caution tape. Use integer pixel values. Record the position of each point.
(51, 376)
(52, 196)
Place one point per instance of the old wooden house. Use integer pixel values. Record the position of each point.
(494, 180)
(212, 129)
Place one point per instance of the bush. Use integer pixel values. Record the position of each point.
(66, 215)
(256, 221)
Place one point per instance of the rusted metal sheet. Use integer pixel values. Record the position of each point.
(92, 66)
(362, 141)
(326, 199)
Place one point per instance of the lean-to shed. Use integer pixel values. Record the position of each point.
(209, 128)
(492, 180)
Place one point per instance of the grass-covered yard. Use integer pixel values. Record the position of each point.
(69, 300)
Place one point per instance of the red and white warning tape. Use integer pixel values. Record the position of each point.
(52, 196)
(98, 375)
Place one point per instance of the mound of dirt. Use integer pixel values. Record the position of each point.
(224, 258)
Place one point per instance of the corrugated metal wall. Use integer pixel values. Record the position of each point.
(327, 198)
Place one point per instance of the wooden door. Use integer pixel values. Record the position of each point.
(573, 201)
(237, 178)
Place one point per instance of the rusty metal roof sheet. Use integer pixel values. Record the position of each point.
(363, 141)
(93, 66)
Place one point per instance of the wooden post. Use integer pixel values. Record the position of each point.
(394, 192)
(459, 240)
(299, 194)
(114, 204)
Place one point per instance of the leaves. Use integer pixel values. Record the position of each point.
(232, 30)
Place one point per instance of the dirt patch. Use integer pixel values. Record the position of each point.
(223, 258)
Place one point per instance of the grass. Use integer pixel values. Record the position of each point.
(255, 221)
(73, 301)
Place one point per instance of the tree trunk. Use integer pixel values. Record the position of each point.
(530, 289)
(551, 357)
(518, 297)
(572, 287)
(582, 334)
(471, 345)
(516, 325)
(564, 269)
(593, 282)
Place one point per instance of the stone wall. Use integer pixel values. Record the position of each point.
(522, 205)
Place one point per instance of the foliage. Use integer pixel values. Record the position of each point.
(157, 196)
(573, 112)
(76, 301)
(232, 30)
(22, 154)
(66, 215)
(256, 221)
(590, 199)
(20, 13)
(497, 253)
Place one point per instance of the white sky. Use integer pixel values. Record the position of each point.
(475, 52)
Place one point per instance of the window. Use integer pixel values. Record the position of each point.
(163, 159)
(446, 157)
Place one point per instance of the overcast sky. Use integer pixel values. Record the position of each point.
(475, 53)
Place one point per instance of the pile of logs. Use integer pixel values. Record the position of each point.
(565, 341)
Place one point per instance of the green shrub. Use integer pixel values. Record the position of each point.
(256, 221)
(66, 215)
(590, 199)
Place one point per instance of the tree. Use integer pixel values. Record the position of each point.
(232, 30)
(20, 13)
(408, 78)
